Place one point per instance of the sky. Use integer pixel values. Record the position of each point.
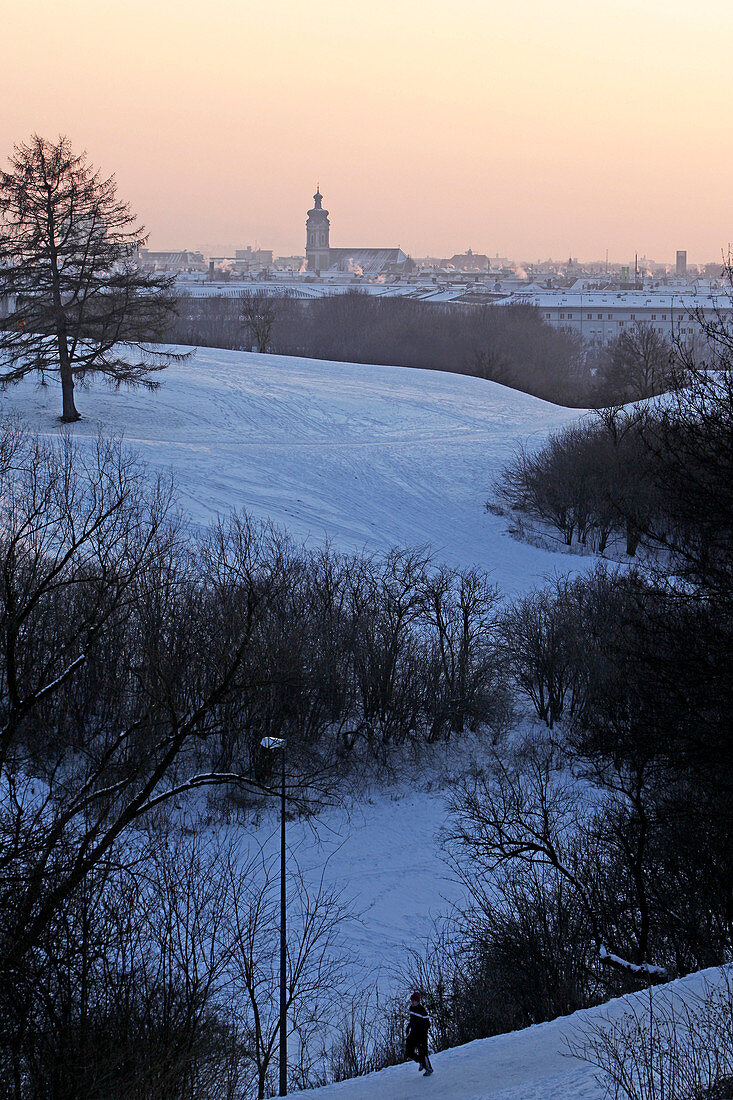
(530, 129)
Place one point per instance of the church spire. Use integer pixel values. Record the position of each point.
(317, 235)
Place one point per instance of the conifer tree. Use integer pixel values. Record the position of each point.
(73, 300)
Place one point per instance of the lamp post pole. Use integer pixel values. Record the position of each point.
(279, 743)
(283, 939)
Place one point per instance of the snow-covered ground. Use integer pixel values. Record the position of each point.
(366, 456)
(383, 851)
(523, 1065)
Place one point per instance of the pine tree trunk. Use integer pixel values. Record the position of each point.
(69, 413)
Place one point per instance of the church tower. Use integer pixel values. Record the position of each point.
(317, 229)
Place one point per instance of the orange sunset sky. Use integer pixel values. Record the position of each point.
(534, 128)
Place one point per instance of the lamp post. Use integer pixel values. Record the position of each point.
(279, 743)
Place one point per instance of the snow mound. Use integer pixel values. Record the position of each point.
(368, 457)
(522, 1065)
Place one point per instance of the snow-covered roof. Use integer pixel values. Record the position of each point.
(640, 299)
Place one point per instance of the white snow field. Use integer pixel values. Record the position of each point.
(369, 457)
(522, 1065)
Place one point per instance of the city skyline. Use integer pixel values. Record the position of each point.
(546, 130)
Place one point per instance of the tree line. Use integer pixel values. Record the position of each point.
(507, 344)
(512, 345)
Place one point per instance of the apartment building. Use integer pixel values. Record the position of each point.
(601, 316)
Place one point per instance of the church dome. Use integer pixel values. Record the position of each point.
(318, 208)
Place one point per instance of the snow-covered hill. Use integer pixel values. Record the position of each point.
(366, 456)
(523, 1065)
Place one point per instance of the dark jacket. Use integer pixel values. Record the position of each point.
(418, 1024)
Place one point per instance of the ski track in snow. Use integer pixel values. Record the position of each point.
(368, 457)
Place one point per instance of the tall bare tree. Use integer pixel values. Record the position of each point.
(68, 275)
(259, 316)
(638, 365)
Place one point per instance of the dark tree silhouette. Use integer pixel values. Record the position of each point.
(71, 287)
(637, 365)
(258, 316)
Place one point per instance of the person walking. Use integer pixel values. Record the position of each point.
(417, 1034)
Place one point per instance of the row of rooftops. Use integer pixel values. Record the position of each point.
(507, 292)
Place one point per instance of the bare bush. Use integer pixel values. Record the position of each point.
(369, 1037)
(314, 965)
(664, 1046)
(594, 830)
(589, 482)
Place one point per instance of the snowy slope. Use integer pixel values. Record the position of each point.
(367, 456)
(522, 1065)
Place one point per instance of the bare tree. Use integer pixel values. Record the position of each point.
(119, 646)
(637, 365)
(460, 607)
(259, 315)
(68, 270)
(539, 651)
(531, 811)
(313, 965)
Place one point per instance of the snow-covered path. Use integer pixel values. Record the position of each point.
(523, 1065)
(366, 456)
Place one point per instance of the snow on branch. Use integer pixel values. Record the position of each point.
(203, 780)
(652, 971)
(48, 688)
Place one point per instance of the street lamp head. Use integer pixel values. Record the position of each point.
(272, 742)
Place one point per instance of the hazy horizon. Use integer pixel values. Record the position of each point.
(529, 131)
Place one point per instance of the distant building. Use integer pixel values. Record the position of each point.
(177, 262)
(467, 261)
(369, 261)
(681, 265)
(248, 259)
(600, 317)
(290, 263)
(321, 257)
